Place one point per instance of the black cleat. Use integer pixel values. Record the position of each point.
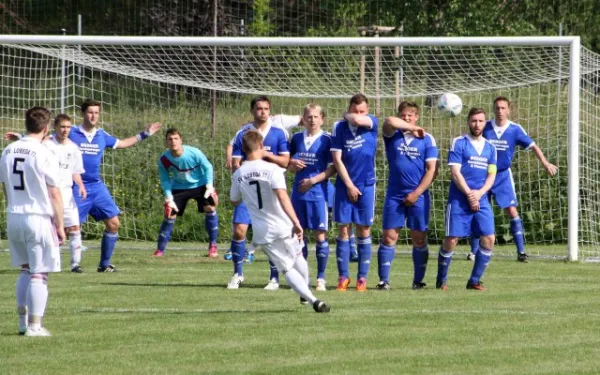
(303, 301)
(109, 268)
(320, 307)
(418, 286)
(77, 269)
(523, 258)
(383, 285)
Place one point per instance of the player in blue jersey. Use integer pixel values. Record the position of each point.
(185, 173)
(506, 136)
(353, 146)
(472, 161)
(275, 151)
(412, 157)
(310, 159)
(99, 203)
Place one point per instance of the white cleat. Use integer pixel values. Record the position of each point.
(235, 281)
(272, 285)
(37, 332)
(321, 285)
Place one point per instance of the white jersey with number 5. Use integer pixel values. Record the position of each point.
(253, 183)
(26, 167)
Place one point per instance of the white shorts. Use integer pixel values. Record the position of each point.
(283, 252)
(70, 211)
(32, 240)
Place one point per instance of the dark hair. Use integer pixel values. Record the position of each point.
(251, 140)
(89, 103)
(358, 99)
(257, 99)
(501, 99)
(60, 118)
(173, 131)
(404, 105)
(474, 111)
(37, 119)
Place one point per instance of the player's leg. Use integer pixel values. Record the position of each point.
(301, 207)
(362, 215)
(418, 223)
(180, 198)
(238, 249)
(483, 226)
(105, 209)
(19, 257)
(506, 197)
(21, 293)
(322, 255)
(74, 234)
(315, 218)
(458, 224)
(517, 232)
(393, 219)
(211, 219)
(342, 214)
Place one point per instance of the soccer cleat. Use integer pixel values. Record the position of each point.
(158, 253)
(471, 257)
(109, 268)
(321, 286)
(383, 285)
(475, 286)
(235, 282)
(303, 301)
(320, 307)
(249, 258)
(228, 255)
(76, 269)
(418, 286)
(272, 285)
(213, 252)
(441, 285)
(22, 330)
(343, 283)
(523, 258)
(37, 332)
(361, 285)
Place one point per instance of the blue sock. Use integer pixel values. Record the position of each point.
(474, 245)
(363, 246)
(481, 262)
(444, 259)
(305, 248)
(342, 253)
(516, 229)
(211, 223)
(353, 251)
(238, 250)
(274, 273)
(322, 256)
(164, 234)
(420, 257)
(385, 256)
(107, 247)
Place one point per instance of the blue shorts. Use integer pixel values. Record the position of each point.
(362, 212)
(312, 214)
(98, 203)
(462, 222)
(241, 214)
(395, 214)
(503, 189)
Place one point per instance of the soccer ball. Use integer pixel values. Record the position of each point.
(450, 105)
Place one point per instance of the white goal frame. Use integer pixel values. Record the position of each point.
(573, 42)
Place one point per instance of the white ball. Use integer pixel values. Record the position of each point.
(450, 105)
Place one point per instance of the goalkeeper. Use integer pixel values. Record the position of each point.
(185, 173)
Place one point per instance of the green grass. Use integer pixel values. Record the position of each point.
(173, 315)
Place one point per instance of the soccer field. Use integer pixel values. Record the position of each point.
(173, 315)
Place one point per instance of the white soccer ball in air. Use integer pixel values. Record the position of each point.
(450, 105)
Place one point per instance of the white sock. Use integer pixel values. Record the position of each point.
(302, 266)
(75, 247)
(37, 297)
(298, 283)
(22, 286)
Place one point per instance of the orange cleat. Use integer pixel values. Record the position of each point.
(475, 286)
(213, 251)
(361, 285)
(158, 253)
(343, 284)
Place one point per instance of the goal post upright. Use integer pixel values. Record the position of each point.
(573, 149)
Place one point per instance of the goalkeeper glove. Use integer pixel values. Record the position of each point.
(170, 207)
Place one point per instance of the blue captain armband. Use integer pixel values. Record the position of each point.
(143, 135)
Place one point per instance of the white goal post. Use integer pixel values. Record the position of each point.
(286, 68)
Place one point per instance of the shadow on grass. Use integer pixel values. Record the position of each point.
(218, 286)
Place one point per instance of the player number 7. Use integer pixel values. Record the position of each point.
(260, 203)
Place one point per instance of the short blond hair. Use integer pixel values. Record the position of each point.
(251, 141)
(313, 106)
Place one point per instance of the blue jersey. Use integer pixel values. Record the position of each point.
(315, 152)
(92, 145)
(188, 171)
(506, 139)
(407, 158)
(358, 146)
(474, 159)
(274, 140)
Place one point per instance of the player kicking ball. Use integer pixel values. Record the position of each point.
(185, 173)
(472, 161)
(276, 229)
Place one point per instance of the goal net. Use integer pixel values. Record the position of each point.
(203, 87)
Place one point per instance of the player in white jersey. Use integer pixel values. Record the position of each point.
(276, 229)
(29, 174)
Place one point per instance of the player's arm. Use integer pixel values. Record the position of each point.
(79, 182)
(307, 183)
(228, 155)
(149, 131)
(287, 122)
(235, 194)
(208, 171)
(170, 208)
(359, 120)
(353, 192)
(431, 167)
(459, 180)
(549, 167)
(282, 160)
(287, 207)
(391, 124)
